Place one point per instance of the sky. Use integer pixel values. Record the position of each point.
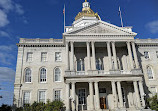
(44, 19)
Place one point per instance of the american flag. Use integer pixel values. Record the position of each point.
(64, 10)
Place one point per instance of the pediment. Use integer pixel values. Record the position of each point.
(101, 28)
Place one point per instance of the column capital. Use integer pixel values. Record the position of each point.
(108, 42)
(73, 82)
(128, 42)
(96, 81)
(113, 81)
(133, 42)
(93, 42)
(67, 42)
(113, 42)
(72, 42)
(88, 42)
(90, 81)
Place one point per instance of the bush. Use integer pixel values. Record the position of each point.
(49, 106)
(153, 103)
(5, 107)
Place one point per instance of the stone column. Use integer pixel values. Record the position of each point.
(137, 94)
(67, 97)
(91, 95)
(114, 55)
(142, 93)
(67, 56)
(114, 93)
(130, 54)
(120, 94)
(93, 55)
(88, 56)
(73, 97)
(135, 55)
(97, 99)
(72, 56)
(109, 55)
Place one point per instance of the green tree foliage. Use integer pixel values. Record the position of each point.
(49, 106)
(153, 103)
(5, 107)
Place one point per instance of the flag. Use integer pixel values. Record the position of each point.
(64, 10)
(119, 11)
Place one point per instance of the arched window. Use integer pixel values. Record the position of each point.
(43, 77)
(99, 64)
(149, 72)
(80, 65)
(28, 75)
(57, 74)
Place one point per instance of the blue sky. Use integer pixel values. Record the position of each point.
(44, 19)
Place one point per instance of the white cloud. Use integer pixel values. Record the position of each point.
(18, 9)
(3, 19)
(6, 5)
(4, 34)
(7, 74)
(7, 54)
(153, 26)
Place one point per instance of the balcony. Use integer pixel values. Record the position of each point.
(102, 73)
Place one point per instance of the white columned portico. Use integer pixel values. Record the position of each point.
(109, 55)
(114, 94)
(88, 56)
(72, 56)
(136, 94)
(97, 99)
(91, 96)
(93, 55)
(130, 54)
(142, 93)
(68, 96)
(73, 102)
(135, 55)
(120, 94)
(67, 56)
(114, 55)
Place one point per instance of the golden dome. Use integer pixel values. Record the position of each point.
(87, 12)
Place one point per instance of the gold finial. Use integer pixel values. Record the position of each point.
(85, 0)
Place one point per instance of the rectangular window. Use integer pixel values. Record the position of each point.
(26, 98)
(146, 55)
(44, 56)
(58, 56)
(42, 96)
(157, 54)
(57, 95)
(82, 96)
(29, 57)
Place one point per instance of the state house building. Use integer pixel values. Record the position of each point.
(96, 66)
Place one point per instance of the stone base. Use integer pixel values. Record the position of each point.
(115, 72)
(136, 71)
(92, 72)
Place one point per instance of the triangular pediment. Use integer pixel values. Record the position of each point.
(101, 28)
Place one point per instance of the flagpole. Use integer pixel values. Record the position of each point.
(64, 18)
(121, 16)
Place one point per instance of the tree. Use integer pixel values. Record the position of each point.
(5, 107)
(153, 102)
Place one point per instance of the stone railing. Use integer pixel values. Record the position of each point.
(51, 40)
(102, 72)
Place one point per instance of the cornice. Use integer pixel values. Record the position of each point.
(39, 45)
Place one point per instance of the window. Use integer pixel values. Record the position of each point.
(42, 96)
(149, 72)
(153, 90)
(26, 98)
(57, 95)
(82, 96)
(57, 74)
(157, 54)
(44, 56)
(28, 75)
(29, 57)
(146, 55)
(99, 64)
(80, 65)
(43, 75)
(57, 56)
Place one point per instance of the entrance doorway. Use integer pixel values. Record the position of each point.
(103, 103)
